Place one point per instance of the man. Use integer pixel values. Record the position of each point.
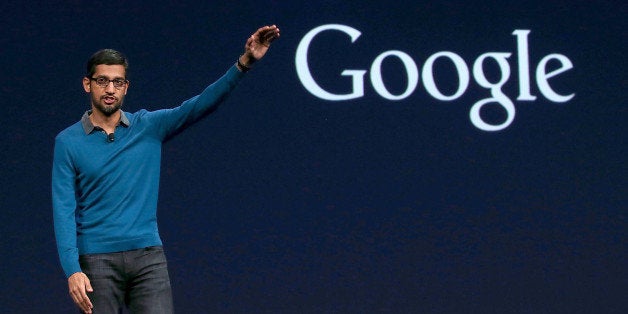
(105, 180)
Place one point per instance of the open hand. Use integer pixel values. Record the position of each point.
(257, 45)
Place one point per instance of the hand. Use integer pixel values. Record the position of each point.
(79, 286)
(257, 45)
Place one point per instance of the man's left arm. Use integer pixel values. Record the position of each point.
(193, 109)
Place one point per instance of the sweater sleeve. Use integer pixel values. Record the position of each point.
(172, 121)
(64, 208)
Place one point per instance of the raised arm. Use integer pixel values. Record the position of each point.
(171, 121)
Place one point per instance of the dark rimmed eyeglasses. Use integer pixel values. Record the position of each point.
(104, 82)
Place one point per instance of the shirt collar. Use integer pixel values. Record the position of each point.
(89, 127)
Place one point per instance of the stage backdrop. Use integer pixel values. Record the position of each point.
(386, 156)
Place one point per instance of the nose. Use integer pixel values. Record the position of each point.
(110, 88)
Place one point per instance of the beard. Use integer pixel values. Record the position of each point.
(106, 109)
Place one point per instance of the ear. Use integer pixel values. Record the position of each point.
(86, 85)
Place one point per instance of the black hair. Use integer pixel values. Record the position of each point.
(108, 57)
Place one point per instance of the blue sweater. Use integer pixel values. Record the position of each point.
(104, 193)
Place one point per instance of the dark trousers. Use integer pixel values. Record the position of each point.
(136, 280)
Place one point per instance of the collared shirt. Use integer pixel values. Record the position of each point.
(89, 127)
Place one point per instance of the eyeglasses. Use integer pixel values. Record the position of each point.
(104, 82)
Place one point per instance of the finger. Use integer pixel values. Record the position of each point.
(268, 30)
(271, 35)
(77, 293)
(247, 44)
(264, 39)
(84, 304)
(76, 299)
(87, 307)
(81, 300)
(263, 31)
(88, 286)
(87, 303)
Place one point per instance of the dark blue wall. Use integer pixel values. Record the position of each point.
(284, 202)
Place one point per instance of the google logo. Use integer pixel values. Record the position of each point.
(464, 72)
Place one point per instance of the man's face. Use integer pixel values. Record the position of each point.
(108, 98)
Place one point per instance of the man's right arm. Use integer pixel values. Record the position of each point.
(64, 208)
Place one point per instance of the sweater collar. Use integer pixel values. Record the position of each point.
(89, 127)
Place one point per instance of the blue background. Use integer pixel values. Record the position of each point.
(283, 202)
